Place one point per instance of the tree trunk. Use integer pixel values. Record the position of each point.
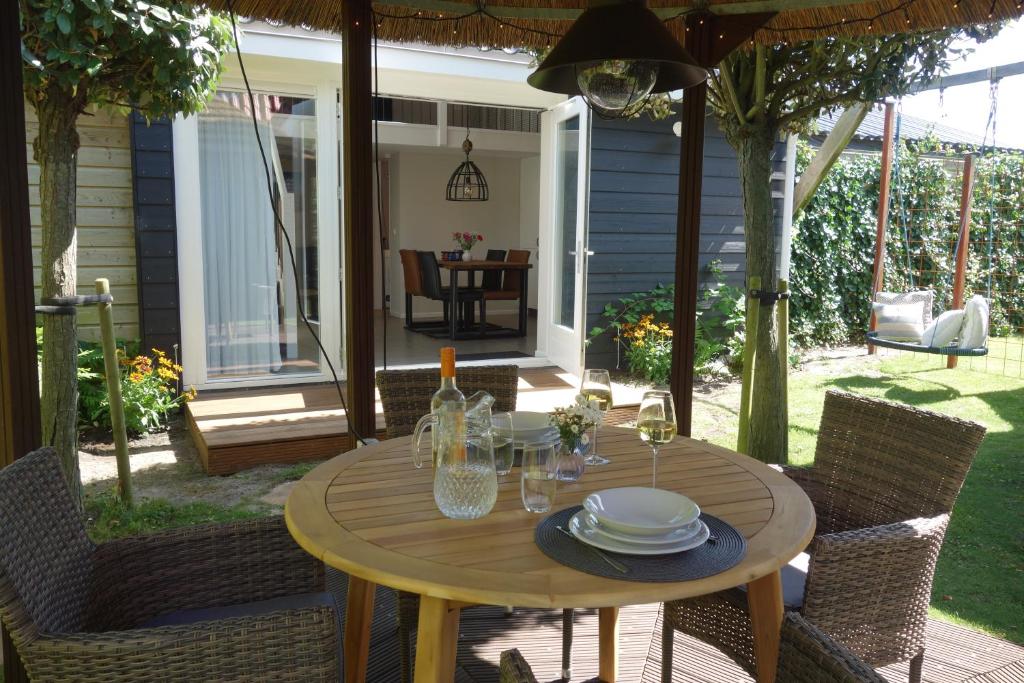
(768, 415)
(56, 151)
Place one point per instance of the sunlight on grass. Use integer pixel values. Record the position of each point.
(979, 582)
(107, 518)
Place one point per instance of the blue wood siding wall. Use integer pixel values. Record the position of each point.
(155, 234)
(634, 184)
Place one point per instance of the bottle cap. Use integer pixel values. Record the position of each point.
(448, 361)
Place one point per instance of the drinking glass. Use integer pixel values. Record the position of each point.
(502, 436)
(539, 470)
(597, 389)
(656, 422)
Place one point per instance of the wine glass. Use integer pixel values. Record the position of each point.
(597, 389)
(656, 422)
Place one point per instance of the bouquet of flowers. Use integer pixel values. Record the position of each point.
(574, 421)
(466, 240)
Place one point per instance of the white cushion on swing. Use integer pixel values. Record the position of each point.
(974, 335)
(898, 322)
(943, 329)
(925, 297)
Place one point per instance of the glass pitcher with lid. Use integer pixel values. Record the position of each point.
(465, 479)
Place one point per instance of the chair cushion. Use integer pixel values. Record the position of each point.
(899, 322)
(794, 577)
(925, 297)
(943, 329)
(246, 609)
(974, 334)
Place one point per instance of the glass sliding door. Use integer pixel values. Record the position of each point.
(563, 231)
(250, 235)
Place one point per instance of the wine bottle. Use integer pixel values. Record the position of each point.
(448, 395)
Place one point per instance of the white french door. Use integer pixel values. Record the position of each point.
(565, 173)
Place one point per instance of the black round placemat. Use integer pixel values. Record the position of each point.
(724, 552)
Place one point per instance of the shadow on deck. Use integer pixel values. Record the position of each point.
(954, 654)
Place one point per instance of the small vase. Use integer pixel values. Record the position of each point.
(570, 463)
(466, 256)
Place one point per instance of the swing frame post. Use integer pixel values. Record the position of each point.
(963, 242)
(753, 312)
(878, 278)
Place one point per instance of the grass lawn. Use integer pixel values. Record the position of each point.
(980, 577)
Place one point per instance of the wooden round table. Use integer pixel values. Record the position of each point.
(371, 513)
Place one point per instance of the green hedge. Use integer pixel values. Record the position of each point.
(833, 239)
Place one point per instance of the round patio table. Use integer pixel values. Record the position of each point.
(370, 513)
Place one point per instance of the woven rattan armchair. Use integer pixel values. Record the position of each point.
(883, 484)
(405, 396)
(86, 612)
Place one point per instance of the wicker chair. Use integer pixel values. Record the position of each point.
(162, 607)
(405, 396)
(806, 655)
(883, 484)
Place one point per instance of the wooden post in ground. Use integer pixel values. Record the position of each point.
(783, 325)
(112, 370)
(357, 145)
(963, 252)
(19, 381)
(749, 363)
(883, 210)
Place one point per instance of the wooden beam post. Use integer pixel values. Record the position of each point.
(113, 372)
(963, 252)
(827, 154)
(357, 148)
(883, 210)
(709, 40)
(19, 381)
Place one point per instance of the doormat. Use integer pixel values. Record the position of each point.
(493, 355)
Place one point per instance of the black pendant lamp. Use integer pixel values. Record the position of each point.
(467, 183)
(616, 55)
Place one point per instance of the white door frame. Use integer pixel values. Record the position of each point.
(562, 345)
(187, 187)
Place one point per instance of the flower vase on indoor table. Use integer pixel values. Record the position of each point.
(466, 240)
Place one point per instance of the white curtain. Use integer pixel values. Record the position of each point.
(240, 257)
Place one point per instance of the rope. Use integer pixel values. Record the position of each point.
(899, 193)
(993, 97)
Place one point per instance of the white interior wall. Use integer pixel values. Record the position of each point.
(422, 219)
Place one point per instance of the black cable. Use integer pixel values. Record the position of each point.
(381, 235)
(280, 224)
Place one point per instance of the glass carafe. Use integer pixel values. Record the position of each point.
(465, 480)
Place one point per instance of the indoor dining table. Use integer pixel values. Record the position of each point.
(369, 512)
(471, 267)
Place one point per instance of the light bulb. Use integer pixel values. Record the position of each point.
(617, 87)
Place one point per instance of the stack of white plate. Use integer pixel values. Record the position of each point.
(639, 521)
(530, 427)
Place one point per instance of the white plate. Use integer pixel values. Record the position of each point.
(678, 536)
(587, 534)
(641, 511)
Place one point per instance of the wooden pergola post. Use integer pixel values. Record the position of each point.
(708, 39)
(963, 252)
(19, 382)
(882, 224)
(357, 197)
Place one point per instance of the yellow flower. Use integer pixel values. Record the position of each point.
(136, 377)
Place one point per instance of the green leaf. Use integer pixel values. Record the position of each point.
(64, 23)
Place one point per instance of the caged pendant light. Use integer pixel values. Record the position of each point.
(467, 183)
(617, 55)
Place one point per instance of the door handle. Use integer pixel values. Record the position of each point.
(588, 252)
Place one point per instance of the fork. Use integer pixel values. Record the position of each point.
(617, 566)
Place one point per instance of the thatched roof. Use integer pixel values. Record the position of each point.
(537, 23)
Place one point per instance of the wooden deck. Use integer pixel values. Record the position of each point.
(954, 654)
(238, 429)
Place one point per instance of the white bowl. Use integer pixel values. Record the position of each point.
(592, 536)
(641, 511)
(529, 426)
